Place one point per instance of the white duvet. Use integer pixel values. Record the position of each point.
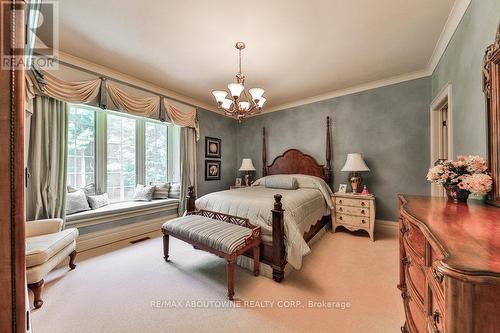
(303, 208)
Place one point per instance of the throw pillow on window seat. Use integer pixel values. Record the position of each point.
(161, 191)
(175, 191)
(98, 201)
(76, 202)
(143, 192)
(88, 189)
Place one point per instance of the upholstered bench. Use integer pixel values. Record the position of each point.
(221, 234)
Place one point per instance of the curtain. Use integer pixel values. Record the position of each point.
(180, 114)
(47, 159)
(138, 106)
(188, 164)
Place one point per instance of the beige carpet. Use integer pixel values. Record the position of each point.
(129, 288)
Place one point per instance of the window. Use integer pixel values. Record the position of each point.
(121, 166)
(81, 147)
(116, 151)
(156, 146)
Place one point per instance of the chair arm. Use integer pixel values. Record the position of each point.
(43, 227)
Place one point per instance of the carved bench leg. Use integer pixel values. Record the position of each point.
(72, 257)
(278, 274)
(230, 279)
(165, 247)
(256, 260)
(36, 288)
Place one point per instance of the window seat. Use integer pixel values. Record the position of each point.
(120, 220)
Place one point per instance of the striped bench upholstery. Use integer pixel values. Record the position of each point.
(222, 236)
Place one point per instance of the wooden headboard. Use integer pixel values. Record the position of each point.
(294, 161)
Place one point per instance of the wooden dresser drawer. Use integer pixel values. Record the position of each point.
(352, 220)
(350, 210)
(435, 319)
(414, 313)
(415, 240)
(415, 278)
(352, 202)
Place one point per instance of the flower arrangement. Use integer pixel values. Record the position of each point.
(467, 174)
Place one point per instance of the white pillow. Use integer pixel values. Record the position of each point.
(98, 201)
(76, 202)
(143, 193)
(284, 182)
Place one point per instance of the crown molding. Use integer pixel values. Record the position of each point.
(456, 14)
(351, 90)
(106, 71)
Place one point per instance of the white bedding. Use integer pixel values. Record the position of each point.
(303, 208)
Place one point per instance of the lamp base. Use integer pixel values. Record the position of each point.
(248, 179)
(355, 180)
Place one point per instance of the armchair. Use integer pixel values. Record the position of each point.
(46, 246)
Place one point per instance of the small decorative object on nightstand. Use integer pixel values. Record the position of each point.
(247, 165)
(355, 164)
(354, 212)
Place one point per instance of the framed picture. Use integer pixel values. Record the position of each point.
(342, 188)
(212, 170)
(238, 182)
(212, 147)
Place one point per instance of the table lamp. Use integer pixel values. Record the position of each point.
(247, 165)
(355, 164)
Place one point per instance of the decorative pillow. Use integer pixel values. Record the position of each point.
(161, 191)
(98, 201)
(88, 189)
(143, 192)
(284, 182)
(76, 202)
(175, 191)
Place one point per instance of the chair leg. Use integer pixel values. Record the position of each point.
(256, 260)
(230, 279)
(72, 257)
(165, 247)
(36, 288)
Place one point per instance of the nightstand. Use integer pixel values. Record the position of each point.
(234, 187)
(354, 212)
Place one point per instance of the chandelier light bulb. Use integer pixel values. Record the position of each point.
(219, 95)
(256, 93)
(226, 103)
(261, 102)
(244, 105)
(235, 89)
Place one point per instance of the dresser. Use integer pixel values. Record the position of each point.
(354, 212)
(449, 265)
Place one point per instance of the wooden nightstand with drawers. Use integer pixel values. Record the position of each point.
(354, 212)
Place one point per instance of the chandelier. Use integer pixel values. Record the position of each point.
(239, 105)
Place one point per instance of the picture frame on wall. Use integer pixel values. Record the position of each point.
(212, 147)
(212, 169)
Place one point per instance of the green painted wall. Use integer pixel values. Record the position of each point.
(461, 66)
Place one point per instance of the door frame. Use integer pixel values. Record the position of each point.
(444, 97)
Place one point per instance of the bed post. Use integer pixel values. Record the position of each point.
(191, 198)
(279, 260)
(264, 153)
(328, 171)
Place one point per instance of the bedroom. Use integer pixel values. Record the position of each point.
(123, 122)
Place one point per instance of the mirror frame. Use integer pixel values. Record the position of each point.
(491, 89)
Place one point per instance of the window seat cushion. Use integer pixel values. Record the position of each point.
(120, 207)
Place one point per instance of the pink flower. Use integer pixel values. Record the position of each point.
(478, 183)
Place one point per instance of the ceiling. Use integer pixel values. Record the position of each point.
(295, 49)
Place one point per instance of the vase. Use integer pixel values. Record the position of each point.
(455, 193)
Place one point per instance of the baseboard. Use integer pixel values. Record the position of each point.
(387, 227)
(101, 238)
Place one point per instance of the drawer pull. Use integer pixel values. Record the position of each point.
(404, 230)
(362, 211)
(340, 202)
(403, 329)
(340, 218)
(363, 221)
(362, 203)
(405, 261)
(435, 321)
(437, 276)
(340, 209)
(404, 295)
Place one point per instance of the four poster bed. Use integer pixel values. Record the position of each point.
(291, 217)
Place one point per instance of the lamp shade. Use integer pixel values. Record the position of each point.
(219, 95)
(355, 162)
(247, 165)
(235, 89)
(256, 93)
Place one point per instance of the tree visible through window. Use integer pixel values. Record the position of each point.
(156, 146)
(81, 147)
(121, 171)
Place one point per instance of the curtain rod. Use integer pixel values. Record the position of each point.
(88, 71)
